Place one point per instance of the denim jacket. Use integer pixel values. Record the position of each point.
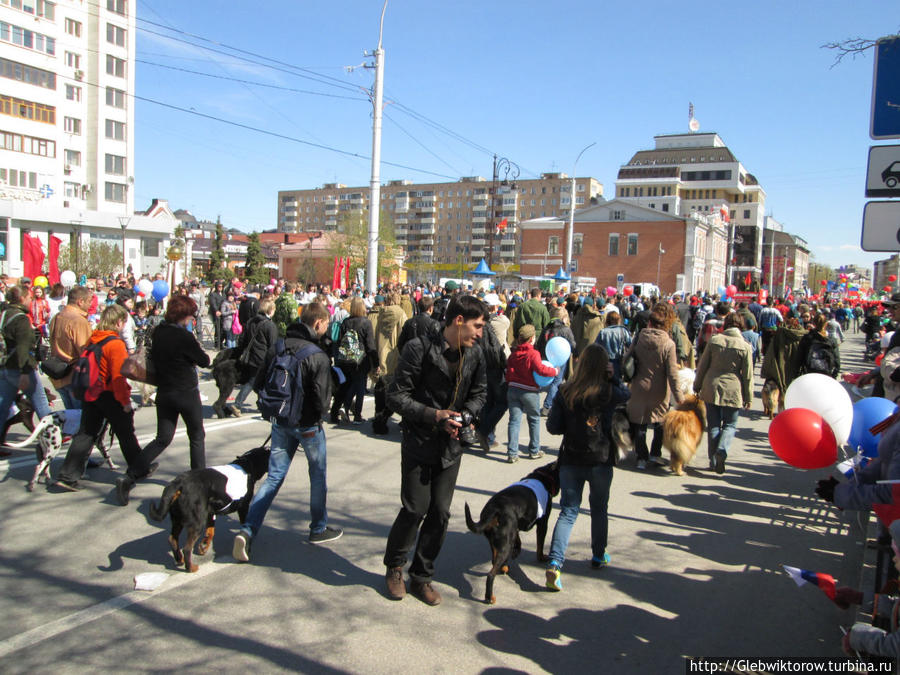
(615, 340)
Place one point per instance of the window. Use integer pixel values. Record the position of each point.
(746, 214)
(41, 8)
(72, 125)
(117, 6)
(71, 190)
(614, 244)
(115, 130)
(73, 27)
(115, 98)
(553, 246)
(617, 214)
(27, 144)
(150, 247)
(632, 245)
(115, 66)
(115, 165)
(580, 187)
(17, 107)
(115, 35)
(73, 60)
(73, 93)
(564, 201)
(665, 207)
(115, 192)
(577, 243)
(19, 71)
(579, 200)
(27, 38)
(73, 157)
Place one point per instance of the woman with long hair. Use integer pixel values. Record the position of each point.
(818, 352)
(351, 393)
(39, 309)
(175, 355)
(582, 413)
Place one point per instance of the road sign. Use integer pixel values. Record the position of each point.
(885, 122)
(883, 174)
(881, 226)
(573, 266)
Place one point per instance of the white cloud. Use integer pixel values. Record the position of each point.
(850, 247)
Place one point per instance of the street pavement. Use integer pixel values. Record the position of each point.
(696, 569)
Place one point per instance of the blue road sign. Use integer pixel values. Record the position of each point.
(885, 122)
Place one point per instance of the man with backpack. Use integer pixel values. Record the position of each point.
(295, 397)
(769, 318)
(713, 325)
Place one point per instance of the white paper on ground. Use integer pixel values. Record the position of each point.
(149, 581)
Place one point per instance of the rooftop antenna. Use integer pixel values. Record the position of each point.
(693, 124)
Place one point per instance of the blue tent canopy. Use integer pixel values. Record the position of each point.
(561, 275)
(482, 270)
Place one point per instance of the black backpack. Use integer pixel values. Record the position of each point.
(820, 358)
(281, 398)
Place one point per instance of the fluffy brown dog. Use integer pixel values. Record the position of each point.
(772, 400)
(683, 431)
(621, 433)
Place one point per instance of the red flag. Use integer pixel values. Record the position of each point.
(336, 276)
(347, 286)
(53, 273)
(32, 256)
(501, 226)
(747, 280)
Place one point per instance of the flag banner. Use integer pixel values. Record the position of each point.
(347, 274)
(53, 268)
(825, 582)
(32, 256)
(501, 226)
(336, 275)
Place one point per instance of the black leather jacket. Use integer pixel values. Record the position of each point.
(421, 324)
(424, 382)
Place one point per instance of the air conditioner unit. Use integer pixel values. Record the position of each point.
(67, 169)
(79, 74)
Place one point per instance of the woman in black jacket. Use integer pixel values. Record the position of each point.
(582, 413)
(818, 353)
(175, 354)
(353, 390)
(256, 347)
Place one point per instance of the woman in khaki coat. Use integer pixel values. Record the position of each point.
(655, 379)
(725, 382)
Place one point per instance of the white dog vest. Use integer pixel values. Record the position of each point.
(236, 481)
(540, 493)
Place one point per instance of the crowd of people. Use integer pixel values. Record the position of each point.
(450, 362)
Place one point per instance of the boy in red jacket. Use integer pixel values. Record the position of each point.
(523, 393)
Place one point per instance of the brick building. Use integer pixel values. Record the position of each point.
(621, 237)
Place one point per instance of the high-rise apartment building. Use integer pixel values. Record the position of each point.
(442, 223)
(67, 129)
(696, 173)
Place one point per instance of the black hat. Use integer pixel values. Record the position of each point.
(895, 300)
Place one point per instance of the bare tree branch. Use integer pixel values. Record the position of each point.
(853, 47)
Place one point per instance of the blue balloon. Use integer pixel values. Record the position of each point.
(722, 291)
(867, 413)
(136, 289)
(160, 290)
(558, 351)
(543, 380)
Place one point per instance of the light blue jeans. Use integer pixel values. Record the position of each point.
(721, 421)
(284, 444)
(9, 387)
(529, 403)
(243, 393)
(553, 387)
(571, 486)
(68, 400)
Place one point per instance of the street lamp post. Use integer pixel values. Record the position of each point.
(571, 232)
(662, 252)
(123, 221)
(510, 172)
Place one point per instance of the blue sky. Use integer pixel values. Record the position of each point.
(531, 81)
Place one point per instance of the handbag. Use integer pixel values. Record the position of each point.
(55, 367)
(629, 366)
(139, 367)
(236, 327)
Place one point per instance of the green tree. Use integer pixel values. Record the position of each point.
(95, 259)
(352, 240)
(217, 268)
(255, 270)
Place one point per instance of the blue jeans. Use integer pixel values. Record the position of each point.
(721, 423)
(528, 402)
(571, 486)
(553, 387)
(243, 393)
(284, 445)
(9, 387)
(69, 401)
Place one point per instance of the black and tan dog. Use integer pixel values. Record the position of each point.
(225, 373)
(516, 508)
(194, 498)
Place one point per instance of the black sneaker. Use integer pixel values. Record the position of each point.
(328, 534)
(123, 489)
(240, 551)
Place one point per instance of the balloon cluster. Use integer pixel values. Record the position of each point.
(818, 417)
(558, 351)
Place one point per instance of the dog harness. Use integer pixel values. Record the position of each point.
(236, 481)
(540, 493)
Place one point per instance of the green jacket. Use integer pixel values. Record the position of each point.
(19, 338)
(782, 360)
(532, 312)
(586, 325)
(725, 372)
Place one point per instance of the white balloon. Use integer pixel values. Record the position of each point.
(827, 397)
(146, 287)
(67, 278)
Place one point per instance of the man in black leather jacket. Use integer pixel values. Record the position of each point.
(436, 379)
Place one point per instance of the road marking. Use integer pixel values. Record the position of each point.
(146, 438)
(67, 623)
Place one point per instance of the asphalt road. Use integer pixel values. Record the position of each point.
(696, 570)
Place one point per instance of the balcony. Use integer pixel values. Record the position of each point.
(427, 230)
(479, 219)
(478, 242)
(426, 220)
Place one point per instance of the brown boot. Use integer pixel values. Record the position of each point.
(396, 588)
(425, 592)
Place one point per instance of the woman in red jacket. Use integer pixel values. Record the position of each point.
(523, 394)
(108, 399)
(39, 311)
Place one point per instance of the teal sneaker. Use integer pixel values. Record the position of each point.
(554, 583)
(602, 561)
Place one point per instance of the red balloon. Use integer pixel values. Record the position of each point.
(887, 289)
(730, 290)
(628, 290)
(892, 278)
(823, 282)
(803, 439)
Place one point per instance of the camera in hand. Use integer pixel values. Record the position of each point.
(466, 433)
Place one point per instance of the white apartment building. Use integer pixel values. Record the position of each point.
(693, 173)
(67, 128)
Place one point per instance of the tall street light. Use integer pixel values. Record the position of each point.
(123, 221)
(571, 232)
(510, 171)
(662, 252)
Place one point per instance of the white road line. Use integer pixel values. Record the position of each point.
(146, 438)
(94, 612)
